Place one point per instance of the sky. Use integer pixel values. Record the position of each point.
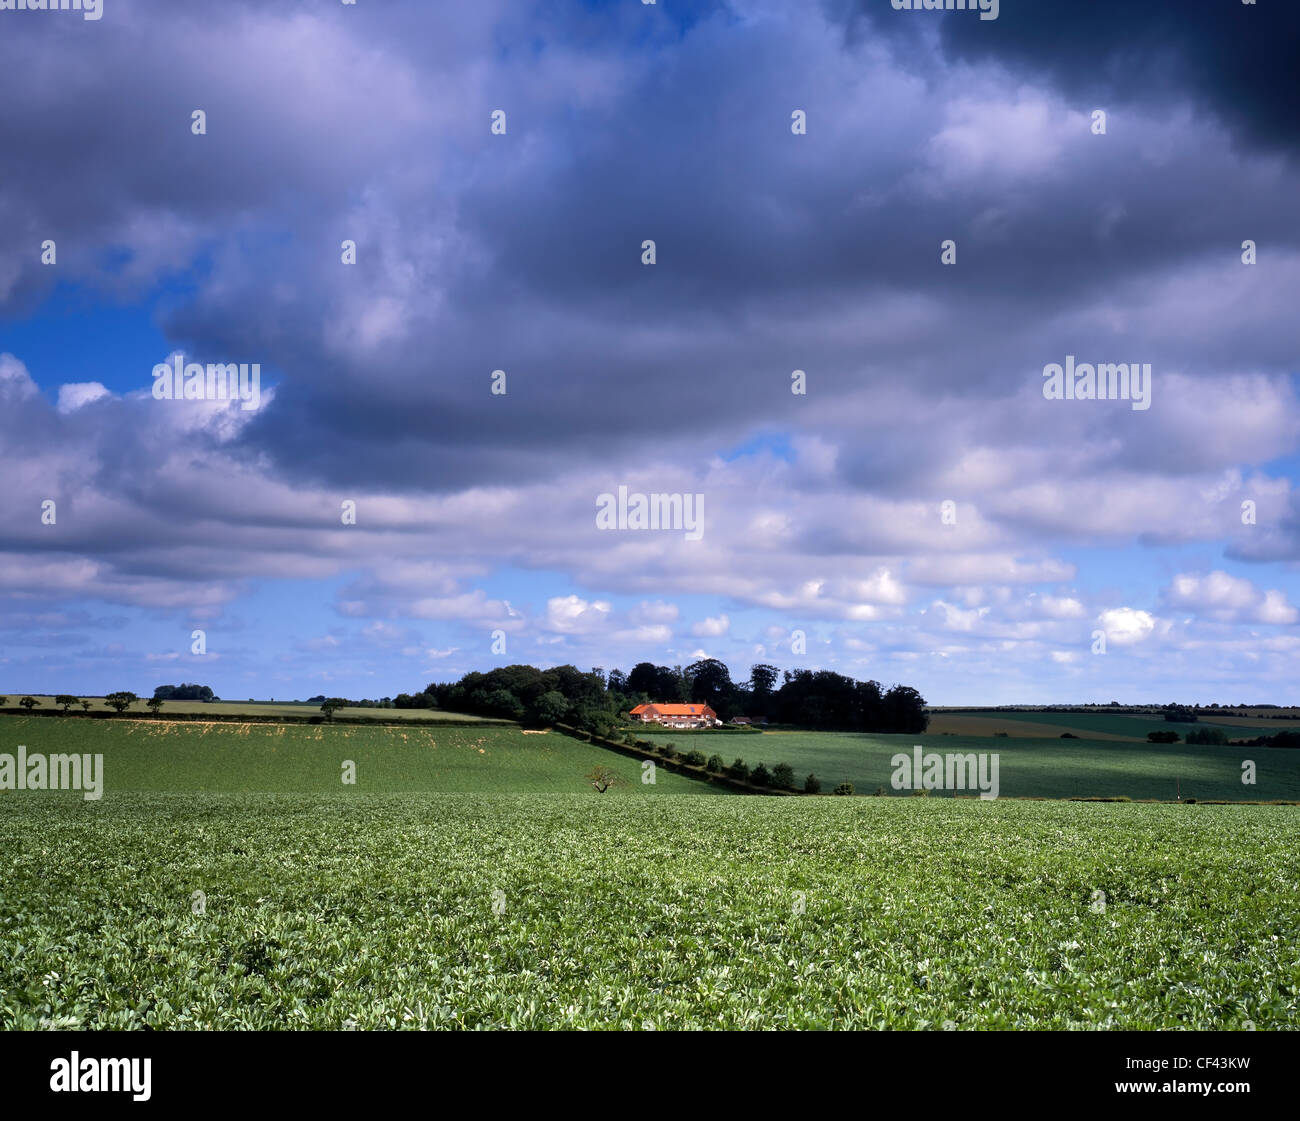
(389, 510)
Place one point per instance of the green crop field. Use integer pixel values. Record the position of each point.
(559, 911)
(264, 709)
(1030, 768)
(1134, 726)
(195, 757)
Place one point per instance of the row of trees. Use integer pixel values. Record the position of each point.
(820, 699)
(119, 702)
(185, 692)
(599, 702)
(1217, 737)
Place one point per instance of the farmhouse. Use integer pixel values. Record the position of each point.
(676, 716)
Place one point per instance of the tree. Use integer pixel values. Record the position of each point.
(120, 701)
(711, 685)
(602, 778)
(29, 703)
(550, 707)
(762, 686)
(783, 776)
(3, 701)
(643, 679)
(905, 710)
(66, 701)
(331, 706)
(85, 706)
(154, 703)
(186, 692)
(811, 785)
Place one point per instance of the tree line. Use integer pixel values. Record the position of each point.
(598, 701)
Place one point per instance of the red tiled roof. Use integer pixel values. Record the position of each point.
(672, 710)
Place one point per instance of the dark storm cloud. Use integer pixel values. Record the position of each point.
(776, 252)
(1237, 59)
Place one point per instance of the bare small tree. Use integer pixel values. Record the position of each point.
(602, 778)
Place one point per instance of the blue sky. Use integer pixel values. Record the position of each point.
(824, 539)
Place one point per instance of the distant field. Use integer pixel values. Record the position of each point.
(157, 755)
(1037, 768)
(972, 724)
(373, 911)
(262, 708)
(1093, 725)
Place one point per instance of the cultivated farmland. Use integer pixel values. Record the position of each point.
(1094, 725)
(1032, 768)
(270, 710)
(552, 911)
(190, 756)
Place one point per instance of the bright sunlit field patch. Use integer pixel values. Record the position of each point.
(550, 911)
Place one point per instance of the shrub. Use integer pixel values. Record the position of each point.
(739, 771)
(602, 778)
(1068, 736)
(1215, 736)
(783, 776)
(1002, 735)
(923, 792)
(844, 788)
(879, 791)
(760, 776)
(695, 758)
(668, 751)
(715, 765)
(1162, 737)
(811, 785)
